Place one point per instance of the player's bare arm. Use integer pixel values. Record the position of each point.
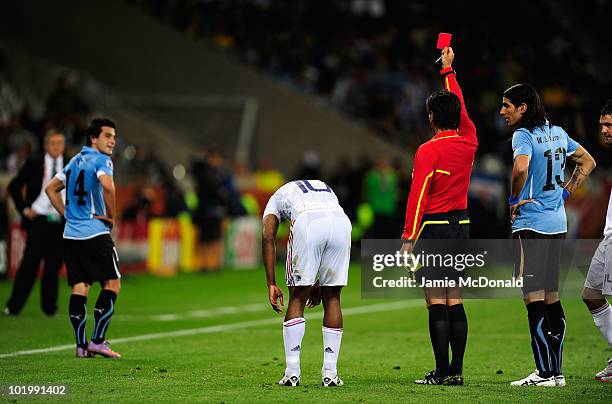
(585, 164)
(520, 169)
(268, 245)
(108, 193)
(53, 190)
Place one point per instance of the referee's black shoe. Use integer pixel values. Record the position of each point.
(431, 379)
(454, 380)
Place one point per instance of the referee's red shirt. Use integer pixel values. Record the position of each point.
(442, 168)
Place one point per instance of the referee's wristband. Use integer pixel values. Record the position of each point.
(513, 200)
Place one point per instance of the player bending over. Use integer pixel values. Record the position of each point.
(319, 244)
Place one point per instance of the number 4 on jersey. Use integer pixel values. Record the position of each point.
(79, 190)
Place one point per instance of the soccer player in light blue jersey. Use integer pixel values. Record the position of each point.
(538, 192)
(89, 251)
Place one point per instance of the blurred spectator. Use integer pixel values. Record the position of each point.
(217, 199)
(310, 166)
(346, 183)
(267, 178)
(43, 226)
(381, 190)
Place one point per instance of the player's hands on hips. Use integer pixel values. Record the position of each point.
(109, 221)
(275, 295)
(314, 295)
(447, 57)
(514, 209)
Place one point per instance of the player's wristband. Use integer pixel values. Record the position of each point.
(513, 200)
(566, 194)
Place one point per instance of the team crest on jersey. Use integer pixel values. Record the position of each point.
(109, 164)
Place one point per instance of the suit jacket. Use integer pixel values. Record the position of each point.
(30, 177)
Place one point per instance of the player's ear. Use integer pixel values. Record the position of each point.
(522, 108)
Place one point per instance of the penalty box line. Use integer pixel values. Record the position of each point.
(374, 308)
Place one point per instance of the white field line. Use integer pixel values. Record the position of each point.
(374, 308)
(205, 313)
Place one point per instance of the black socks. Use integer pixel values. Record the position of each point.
(439, 332)
(77, 310)
(540, 339)
(458, 337)
(105, 307)
(556, 319)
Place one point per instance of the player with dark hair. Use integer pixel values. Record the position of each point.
(437, 209)
(89, 251)
(539, 224)
(598, 283)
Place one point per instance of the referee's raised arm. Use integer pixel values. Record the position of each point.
(466, 126)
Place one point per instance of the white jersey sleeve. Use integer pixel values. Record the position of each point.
(299, 196)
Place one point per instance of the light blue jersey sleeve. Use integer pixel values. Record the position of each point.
(572, 145)
(521, 143)
(104, 165)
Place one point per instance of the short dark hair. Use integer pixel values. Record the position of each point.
(446, 109)
(535, 115)
(95, 127)
(607, 108)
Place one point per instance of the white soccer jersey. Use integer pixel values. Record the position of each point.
(608, 228)
(319, 242)
(300, 196)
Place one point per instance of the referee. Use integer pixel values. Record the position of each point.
(437, 209)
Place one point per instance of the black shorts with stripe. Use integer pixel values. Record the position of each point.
(453, 225)
(537, 259)
(448, 225)
(92, 260)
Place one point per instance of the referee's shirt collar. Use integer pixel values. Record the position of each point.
(445, 134)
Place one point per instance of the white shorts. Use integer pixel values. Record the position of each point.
(599, 276)
(319, 244)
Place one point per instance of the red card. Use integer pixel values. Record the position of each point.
(444, 40)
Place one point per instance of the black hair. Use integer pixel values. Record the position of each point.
(607, 108)
(446, 109)
(535, 115)
(95, 127)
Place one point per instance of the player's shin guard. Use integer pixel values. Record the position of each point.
(556, 319)
(293, 332)
(105, 307)
(540, 340)
(77, 310)
(439, 332)
(332, 337)
(458, 337)
(603, 320)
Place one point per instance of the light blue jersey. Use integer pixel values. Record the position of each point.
(84, 198)
(547, 148)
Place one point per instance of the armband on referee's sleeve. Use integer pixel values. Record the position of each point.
(445, 72)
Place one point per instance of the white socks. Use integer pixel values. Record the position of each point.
(603, 321)
(332, 337)
(293, 332)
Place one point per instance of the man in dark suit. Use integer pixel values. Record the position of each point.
(43, 226)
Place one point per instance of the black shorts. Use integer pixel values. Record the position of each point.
(92, 260)
(448, 225)
(453, 225)
(537, 259)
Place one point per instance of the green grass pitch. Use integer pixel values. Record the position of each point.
(236, 353)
